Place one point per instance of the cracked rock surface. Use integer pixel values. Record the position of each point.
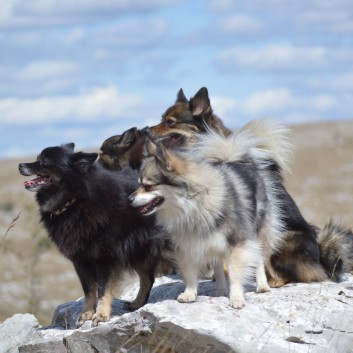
(314, 317)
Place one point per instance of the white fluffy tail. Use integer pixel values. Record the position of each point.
(263, 140)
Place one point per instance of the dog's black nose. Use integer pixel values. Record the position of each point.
(20, 167)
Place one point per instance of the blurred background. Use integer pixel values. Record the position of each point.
(81, 71)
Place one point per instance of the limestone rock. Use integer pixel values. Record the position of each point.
(15, 331)
(315, 317)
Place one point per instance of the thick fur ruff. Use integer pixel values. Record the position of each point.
(213, 209)
(87, 215)
(263, 142)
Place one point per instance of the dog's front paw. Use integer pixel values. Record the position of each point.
(237, 303)
(263, 288)
(277, 283)
(85, 316)
(99, 317)
(187, 297)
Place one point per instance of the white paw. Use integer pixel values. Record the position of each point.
(237, 303)
(263, 288)
(187, 297)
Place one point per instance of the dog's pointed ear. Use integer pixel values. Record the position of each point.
(69, 146)
(200, 103)
(149, 148)
(109, 144)
(83, 161)
(169, 160)
(163, 157)
(128, 137)
(181, 97)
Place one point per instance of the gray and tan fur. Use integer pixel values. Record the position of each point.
(264, 141)
(302, 256)
(215, 205)
(335, 242)
(336, 250)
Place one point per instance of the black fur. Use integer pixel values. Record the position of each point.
(99, 232)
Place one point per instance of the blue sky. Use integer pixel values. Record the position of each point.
(81, 71)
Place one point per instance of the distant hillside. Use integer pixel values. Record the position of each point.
(35, 278)
(322, 169)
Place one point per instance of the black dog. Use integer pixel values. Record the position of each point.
(85, 210)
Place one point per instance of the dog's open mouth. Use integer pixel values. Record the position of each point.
(149, 207)
(40, 180)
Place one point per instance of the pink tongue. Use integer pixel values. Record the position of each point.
(32, 182)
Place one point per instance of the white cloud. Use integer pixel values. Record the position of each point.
(275, 57)
(240, 24)
(279, 103)
(343, 82)
(223, 106)
(270, 101)
(323, 102)
(122, 40)
(39, 13)
(49, 7)
(46, 69)
(47, 62)
(335, 19)
(258, 104)
(99, 103)
(285, 16)
(134, 33)
(222, 5)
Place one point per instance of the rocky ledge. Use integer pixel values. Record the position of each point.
(315, 317)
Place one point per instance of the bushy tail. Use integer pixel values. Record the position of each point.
(265, 141)
(336, 250)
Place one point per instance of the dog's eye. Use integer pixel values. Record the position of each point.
(170, 122)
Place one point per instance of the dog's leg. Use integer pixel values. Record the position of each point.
(89, 306)
(89, 287)
(261, 279)
(242, 256)
(273, 277)
(220, 278)
(190, 274)
(146, 283)
(106, 296)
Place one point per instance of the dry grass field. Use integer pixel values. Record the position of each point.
(35, 278)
